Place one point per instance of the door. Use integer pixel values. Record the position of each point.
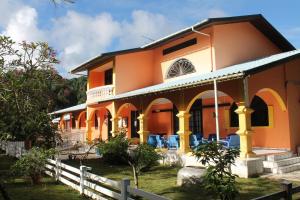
(134, 124)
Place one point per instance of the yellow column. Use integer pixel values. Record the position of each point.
(88, 133)
(115, 128)
(143, 132)
(184, 131)
(245, 131)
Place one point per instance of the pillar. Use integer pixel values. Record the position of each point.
(143, 132)
(184, 131)
(114, 126)
(88, 133)
(245, 131)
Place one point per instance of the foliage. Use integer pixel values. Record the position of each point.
(118, 151)
(32, 164)
(115, 150)
(30, 88)
(218, 177)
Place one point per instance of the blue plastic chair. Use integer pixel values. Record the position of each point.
(173, 142)
(159, 142)
(211, 137)
(199, 136)
(233, 141)
(152, 140)
(194, 142)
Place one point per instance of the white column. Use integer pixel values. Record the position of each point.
(216, 110)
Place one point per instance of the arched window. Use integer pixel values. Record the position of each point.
(180, 67)
(260, 116)
(234, 118)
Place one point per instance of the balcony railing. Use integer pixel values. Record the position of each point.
(98, 93)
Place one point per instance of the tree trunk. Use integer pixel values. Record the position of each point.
(135, 177)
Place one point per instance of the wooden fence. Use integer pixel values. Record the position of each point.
(286, 193)
(95, 186)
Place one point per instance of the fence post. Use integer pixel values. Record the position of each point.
(83, 169)
(124, 185)
(287, 187)
(57, 169)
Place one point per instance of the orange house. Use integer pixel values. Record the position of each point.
(220, 76)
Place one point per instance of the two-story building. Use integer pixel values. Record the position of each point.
(222, 75)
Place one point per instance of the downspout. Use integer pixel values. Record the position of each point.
(215, 83)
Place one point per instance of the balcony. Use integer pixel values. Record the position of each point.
(96, 94)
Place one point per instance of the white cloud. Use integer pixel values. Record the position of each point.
(23, 26)
(215, 12)
(80, 37)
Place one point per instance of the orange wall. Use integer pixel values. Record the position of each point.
(240, 42)
(160, 122)
(199, 54)
(133, 71)
(96, 79)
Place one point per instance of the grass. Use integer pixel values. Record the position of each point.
(162, 180)
(21, 189)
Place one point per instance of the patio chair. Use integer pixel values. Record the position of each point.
(159, 141)
(199, 136)
(152, 140)
(173, 142)
(233, 141)
(194, 142)
(211, 137)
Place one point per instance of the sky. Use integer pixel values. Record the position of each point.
(87, 28)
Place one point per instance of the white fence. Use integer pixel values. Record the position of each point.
(15, 149)
(95, 186)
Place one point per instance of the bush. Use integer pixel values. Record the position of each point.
(115, 150)
(32, 164)
(218, 177)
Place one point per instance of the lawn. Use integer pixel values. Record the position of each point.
(162, 180)
(21, 189)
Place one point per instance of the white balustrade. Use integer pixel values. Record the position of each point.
(98, 93)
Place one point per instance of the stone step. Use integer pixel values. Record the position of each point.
(281, 163)
(281, 156)
(286, 169)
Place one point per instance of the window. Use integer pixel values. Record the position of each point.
(196, 117)
(180, 67)
(108, 77)
(260, 116)
(180, 46)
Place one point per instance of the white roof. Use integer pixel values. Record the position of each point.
(70, 109)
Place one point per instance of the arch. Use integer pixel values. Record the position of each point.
(124, 106)
(202, 94)
(180, 67)
(276, 96)
(260, 116)
(155, 101)
(79, 118)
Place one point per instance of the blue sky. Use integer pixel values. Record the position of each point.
(87, 28)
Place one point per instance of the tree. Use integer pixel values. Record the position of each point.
(117, 150)
(218, 177)
(26, 77)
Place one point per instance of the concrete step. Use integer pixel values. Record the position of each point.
(281, 163)
(286, 169)
(281, 156)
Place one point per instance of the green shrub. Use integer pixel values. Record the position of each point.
(32, 164)
(218, 178)
(115, 150)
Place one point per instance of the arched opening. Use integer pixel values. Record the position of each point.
(270, 122)
(128, 120)
(101, 125)
(82, 120)
(161, 117)
(203, 116)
